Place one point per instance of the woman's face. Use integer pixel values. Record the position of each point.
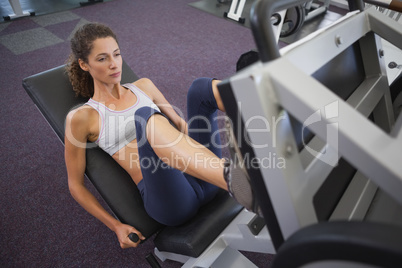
(104, 61)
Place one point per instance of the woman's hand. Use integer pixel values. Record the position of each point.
(122, 232)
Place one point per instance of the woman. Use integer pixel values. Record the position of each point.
(138, 127)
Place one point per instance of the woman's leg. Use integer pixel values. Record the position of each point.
(202, 111)
(168, 196)
(203, 100)
(199, 154)
(203, 103)
(217, 96)
(184, 153)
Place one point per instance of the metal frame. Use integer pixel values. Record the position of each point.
(391, 53)
(18, 12)
(224, 251)
(313, 9)
(272, 93)
(236, 10)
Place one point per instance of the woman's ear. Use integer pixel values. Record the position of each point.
(83, 65)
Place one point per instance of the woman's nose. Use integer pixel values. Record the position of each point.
(112, 63)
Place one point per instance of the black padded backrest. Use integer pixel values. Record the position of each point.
(52, 93)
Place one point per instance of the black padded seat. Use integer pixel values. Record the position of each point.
(192, 238)
(52, 93)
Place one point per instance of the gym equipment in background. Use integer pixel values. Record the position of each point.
(18, 12)
(292, 18)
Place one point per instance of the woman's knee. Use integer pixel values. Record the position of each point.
(198, 89)
(156, 125)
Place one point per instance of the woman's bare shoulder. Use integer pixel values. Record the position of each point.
(147, 86)
(144, 84)
(81, 115)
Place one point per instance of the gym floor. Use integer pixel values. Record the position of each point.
(40, 7)
(212, 7)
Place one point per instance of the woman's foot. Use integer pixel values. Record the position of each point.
(236, 176)
(239, 187)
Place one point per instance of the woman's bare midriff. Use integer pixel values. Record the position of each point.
(128, 158)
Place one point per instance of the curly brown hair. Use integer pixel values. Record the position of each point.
(81, 46)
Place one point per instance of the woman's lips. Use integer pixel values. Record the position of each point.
(115, 74)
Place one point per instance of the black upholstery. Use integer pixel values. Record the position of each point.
(52, 93)
(371, 243)
(192, 238)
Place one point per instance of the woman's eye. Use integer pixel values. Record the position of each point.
(101, 59)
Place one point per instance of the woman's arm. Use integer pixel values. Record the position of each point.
(157, 97)
(75, 145)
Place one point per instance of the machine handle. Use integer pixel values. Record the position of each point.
(395, 5)
(261, 26)
(134, 237)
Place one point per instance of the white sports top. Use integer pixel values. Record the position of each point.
(118, 127)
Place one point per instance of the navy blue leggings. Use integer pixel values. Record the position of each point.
(170, 196)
